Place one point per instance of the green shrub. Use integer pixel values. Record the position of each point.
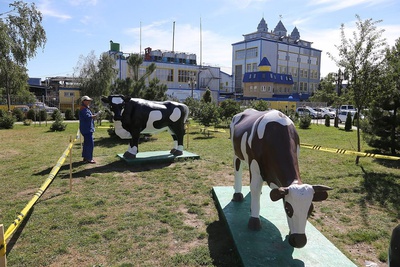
(7, 121)
(327, 121)
(69, 115)
(2, 113)
(305, 122)
(347, 125)
(260, 105)
(18, 114)
(57, 125)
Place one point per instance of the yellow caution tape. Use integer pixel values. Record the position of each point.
(349, 152)
(20, 217)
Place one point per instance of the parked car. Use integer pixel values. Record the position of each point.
(347, 107)
(303, 111)
(325, 113)
(342, 116)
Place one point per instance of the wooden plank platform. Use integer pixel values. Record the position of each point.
(157, 157)
(269, 246)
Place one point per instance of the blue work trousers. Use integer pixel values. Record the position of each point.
(88, 146)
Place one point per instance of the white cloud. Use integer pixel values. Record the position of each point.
(46, 9)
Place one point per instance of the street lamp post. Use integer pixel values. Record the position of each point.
(192, 83)
(339, 79)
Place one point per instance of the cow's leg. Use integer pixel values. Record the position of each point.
(256, 182)
(177, 136)
(133, 146)
(238, 166)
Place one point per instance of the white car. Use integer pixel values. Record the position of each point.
(303, 111)
(325, 113)
(342, 116)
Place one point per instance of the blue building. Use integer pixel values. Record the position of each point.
(287, 54)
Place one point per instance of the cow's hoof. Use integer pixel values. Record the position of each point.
(254, 224)
(176, 152)
(237, 197)
(128, 155)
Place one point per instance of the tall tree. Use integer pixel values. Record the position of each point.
(140, 84)
(21, 34)
(361, 58)
(383, 128)
(97, 75)
(326, 90)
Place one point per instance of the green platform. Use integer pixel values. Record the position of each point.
(268, 246)
(157, 157)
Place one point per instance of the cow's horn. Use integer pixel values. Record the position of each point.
(321, 188)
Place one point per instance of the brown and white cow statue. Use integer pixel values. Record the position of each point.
(268, 142)
(148, 117)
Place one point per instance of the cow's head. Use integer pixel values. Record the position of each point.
(116, 103)
(298, 199)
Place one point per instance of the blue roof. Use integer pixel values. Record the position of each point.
(267, 76)
(264, 62)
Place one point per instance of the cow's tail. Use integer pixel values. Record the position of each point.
(186, 111)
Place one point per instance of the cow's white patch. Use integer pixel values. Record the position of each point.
(272, 116)
(121, 132)
(300, 197)
(176, 115)
(133, 150)
(154, 115)
(243, 147)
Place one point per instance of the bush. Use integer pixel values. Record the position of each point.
(36, 115)
(305, 122)
(7, 121)
(69, 115)
(327, 121)
(228, 108)
(58, 124)
(2, 112)
(18, 114)
(260, 105)
(348, 124)
(209, 114)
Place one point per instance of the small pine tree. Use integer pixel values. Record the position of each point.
(305, 122)
(348, 125)
(58, 124)
(327, 121)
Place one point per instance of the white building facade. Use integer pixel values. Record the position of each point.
(179, 72)
(287, 54)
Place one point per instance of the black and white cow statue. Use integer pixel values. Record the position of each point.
(148, 117)
(268, 142)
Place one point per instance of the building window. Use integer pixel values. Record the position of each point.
(255, 88)
(69, 94)
(240, 54)
(251, 52)
(185, 75)
(255, 67)
(263, 88)
(248, 68)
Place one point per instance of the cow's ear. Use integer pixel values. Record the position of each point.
(320, 192)
(105, 99)
(126, 98)
(278, 193)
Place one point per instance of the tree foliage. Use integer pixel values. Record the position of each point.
(96, 75)
(361, 57)
(382, 129)
(21, 34)
(135, 85)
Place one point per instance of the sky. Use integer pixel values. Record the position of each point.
(207, 28)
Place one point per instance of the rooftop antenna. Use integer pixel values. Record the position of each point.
(201, 46)
(173, 37)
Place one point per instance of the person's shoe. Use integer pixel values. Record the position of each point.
(91, 161)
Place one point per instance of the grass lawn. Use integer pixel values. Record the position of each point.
(164, 214)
